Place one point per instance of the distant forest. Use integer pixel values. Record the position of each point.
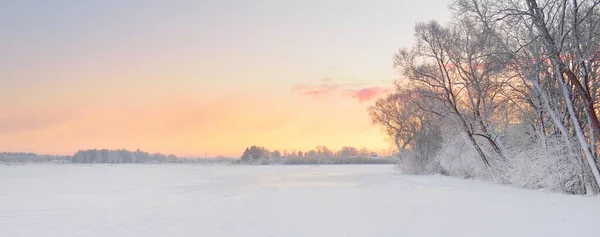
(95, 156)
(319, 155)
(252, 155)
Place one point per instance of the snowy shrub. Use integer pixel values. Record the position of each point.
(456, 158)
(452, 157)
(419, 159)
(410, 163)
(547, 167)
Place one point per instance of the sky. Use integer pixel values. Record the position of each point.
(197, 78)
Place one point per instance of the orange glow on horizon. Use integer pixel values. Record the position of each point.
(184, 126)
(198, 77)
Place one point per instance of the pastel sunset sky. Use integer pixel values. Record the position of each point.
(189, 77)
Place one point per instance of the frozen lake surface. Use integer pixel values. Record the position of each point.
(191, 200)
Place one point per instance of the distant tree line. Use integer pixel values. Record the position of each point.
(122, 156)
(95, 156)
(252, 155)
(319, 155)
(22, 157)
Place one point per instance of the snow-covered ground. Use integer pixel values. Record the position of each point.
(189, 200)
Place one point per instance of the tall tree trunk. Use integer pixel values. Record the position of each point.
(470, 138)
(580, 135)
(563, 69)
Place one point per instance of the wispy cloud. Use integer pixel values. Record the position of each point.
(327, 86)
(369, 93)
(316, 91)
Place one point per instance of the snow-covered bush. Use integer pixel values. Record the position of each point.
(410, 163)
(456, 158)
(419, 157)
(547, 167)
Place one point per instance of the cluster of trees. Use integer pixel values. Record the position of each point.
(92, 156)
(122, 156)
(21, 157)
(506, 91)
(319, 155)
(138, 156)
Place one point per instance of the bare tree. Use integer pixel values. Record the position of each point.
(433, 72)
(399, 118)
(553, 46)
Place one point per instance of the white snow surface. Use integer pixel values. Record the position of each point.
(315, 201)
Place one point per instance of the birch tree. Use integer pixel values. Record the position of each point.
(559, 38)
(440, 69)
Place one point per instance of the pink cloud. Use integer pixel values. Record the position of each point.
(359, 92)
(369, 93)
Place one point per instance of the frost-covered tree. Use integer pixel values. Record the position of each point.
(554, 48)
(276, 154)
(254, 153)
(517, 80)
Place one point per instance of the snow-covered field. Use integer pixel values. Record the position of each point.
(190, 200)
